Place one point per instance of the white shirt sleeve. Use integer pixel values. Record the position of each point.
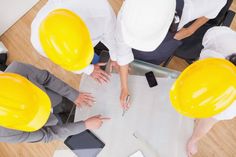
(214, 9)
(218, 42)
(34, 38)
(228, 113)
(208, 53)
(124, 52)
(88, 70)
(210, 48)
(109, 36)
(118, 50)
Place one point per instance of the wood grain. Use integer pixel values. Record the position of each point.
(220, 142)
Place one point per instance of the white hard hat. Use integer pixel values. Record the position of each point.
(145, 23)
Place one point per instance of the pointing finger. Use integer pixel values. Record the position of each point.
(105, 118)
(98, 116)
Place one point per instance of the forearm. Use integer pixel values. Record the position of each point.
(46, 134)
(197, 24)
(188, 31)
(61, 132)
(124, 70)
(61, 88)
(203, 126)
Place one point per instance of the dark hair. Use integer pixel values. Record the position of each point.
(232, 58)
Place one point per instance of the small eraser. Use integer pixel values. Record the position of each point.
(137, 154)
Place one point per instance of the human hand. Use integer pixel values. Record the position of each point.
(100, 75)
(84, 99)
(95, 122)
(114, 65)
(183, 33)
(123, 96)
(191, 148)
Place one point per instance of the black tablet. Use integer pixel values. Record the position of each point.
(85, 144)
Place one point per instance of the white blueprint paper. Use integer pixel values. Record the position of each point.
(163, 131)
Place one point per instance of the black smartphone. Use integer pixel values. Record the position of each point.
(104, 58)
(151, 79)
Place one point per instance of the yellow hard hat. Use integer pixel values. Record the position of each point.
(66, 40)
(23, 106)
(205, 88)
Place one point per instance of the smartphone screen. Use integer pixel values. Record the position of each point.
(151, 79)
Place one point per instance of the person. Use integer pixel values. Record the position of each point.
(218, 42)
(140, 37)
(140, 25)
(197, 94)
(25, 77)
(189, 17)
(98, 25)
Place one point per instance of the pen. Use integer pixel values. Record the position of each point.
(127, 101)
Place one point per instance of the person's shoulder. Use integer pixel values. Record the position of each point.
(219, 30)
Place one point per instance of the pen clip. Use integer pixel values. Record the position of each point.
(127, 99)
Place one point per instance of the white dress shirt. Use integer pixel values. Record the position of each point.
(97, 15)
(194, 9)
(125, 54)
(220, 42)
